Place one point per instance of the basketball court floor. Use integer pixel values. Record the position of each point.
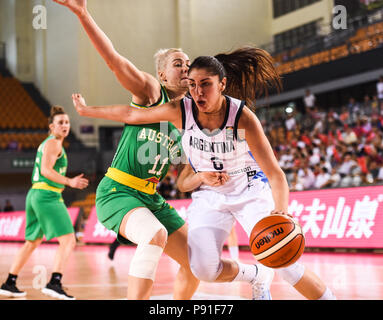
(90, 275)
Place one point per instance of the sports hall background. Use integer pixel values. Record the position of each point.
(332, 153)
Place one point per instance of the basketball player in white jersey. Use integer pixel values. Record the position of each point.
(231, 162)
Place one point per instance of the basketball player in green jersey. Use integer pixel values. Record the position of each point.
(126, 199)
(46, 213)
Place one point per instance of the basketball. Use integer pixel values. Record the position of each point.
(277, 241)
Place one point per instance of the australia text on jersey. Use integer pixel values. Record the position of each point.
(158, 142)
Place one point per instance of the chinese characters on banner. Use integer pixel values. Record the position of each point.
(343, 218)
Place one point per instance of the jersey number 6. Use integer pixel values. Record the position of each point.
(217, 163)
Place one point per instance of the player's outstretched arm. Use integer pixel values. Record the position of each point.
(169, 112)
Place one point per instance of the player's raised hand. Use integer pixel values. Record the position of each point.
(79, 103)
(76, 6)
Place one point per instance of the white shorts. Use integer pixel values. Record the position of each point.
(217, 210)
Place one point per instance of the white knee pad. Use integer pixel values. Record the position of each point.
(145, 261)
(141, 228)
(292, 274)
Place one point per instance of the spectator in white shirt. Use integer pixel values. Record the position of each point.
(286, 160)
(314, 158)
(325, 163)
(295, 183)
(347, 165)
(307, 177)
(334, 180)
(379, 89)
(309, 101)
(322, 178)
(290, 122)
(379, 178)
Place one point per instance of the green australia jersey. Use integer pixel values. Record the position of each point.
(146, 151)
(60, 166)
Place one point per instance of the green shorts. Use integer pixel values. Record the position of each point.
(46, 214)
(114, 201)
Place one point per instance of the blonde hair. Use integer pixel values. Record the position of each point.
(161, 57)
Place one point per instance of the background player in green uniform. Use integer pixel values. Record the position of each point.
(126, 199)
(46, 213)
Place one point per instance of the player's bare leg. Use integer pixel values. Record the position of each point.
(177, 248)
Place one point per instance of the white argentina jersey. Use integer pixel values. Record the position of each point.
(224, 149)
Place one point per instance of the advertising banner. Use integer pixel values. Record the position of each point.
(95, 232)
(340, 218)
(12, 224)
(330, 218)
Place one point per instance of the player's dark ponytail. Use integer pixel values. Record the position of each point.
(250, 72)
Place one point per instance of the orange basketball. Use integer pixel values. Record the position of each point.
(277, 241)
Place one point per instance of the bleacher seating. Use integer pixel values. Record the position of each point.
(23, 125)
(18, 110)
(364, 39)
(86, 204)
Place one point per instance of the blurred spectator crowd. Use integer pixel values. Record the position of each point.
(331, 148)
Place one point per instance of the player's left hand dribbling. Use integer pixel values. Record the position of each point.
(281, 212)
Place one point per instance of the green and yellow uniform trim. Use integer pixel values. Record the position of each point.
(164, 99)
(46, 186)
(127, 179)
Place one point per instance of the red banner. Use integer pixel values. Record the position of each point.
(340, 218)
(95, 232)
(332, 218)
(12, 224)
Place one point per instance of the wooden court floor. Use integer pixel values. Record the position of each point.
(91, 275)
